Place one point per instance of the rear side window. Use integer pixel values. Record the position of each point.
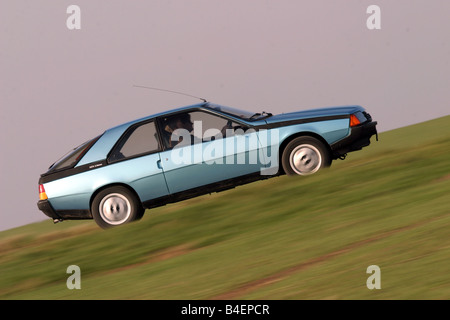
(72, 157)
(137, 141)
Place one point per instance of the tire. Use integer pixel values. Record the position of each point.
(305, 156)
(116, 206)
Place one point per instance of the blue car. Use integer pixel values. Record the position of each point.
(190, 151)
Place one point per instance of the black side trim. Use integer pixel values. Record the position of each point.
(300, 121)
(210, 188)
(74, 214)
(47, 177)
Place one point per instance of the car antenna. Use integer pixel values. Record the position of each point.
(171, 91)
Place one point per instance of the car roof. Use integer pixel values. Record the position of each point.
(105, 143)
(160, 114)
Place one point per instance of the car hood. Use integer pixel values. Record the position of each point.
(315, 113)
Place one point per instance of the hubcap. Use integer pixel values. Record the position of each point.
(115, 208)
(305, 159)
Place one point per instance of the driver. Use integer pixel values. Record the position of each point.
(182, 121)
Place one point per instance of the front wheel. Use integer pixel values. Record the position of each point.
(305, 156)
(116, 206)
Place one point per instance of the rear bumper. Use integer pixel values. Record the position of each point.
(48, 210)
(358, 138)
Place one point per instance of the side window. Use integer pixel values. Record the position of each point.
(212, 127)
(140, 140)
(202, 126)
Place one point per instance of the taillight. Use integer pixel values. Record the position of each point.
(354, 121)
(42, 194)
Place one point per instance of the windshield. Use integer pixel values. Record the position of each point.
(71, 158)
(246, 115)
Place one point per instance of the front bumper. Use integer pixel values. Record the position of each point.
(358, 138)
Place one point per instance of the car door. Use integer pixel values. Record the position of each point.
(136, 161)
(207, 148)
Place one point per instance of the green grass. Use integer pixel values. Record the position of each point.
(282, 238)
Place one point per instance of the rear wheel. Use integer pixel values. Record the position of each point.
(304, 156)
(115, 206)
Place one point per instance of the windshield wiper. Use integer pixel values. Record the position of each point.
(263, 114)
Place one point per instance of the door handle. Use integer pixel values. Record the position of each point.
(158, 164)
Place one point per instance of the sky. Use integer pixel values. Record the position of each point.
(60, 86)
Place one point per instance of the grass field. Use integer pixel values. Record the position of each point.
(283, 238)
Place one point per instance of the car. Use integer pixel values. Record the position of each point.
(194, 150)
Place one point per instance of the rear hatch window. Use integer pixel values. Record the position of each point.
(70, 159)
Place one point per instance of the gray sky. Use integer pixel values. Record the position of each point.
(60, 87)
